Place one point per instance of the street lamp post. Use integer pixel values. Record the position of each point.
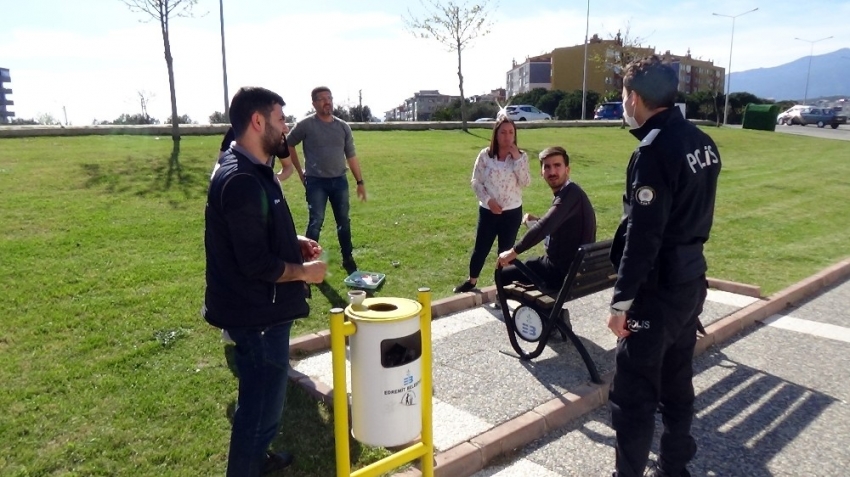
(224, 61)
(584, 74)
(729, 70)
(809, 71)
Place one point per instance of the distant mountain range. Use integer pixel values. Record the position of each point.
(830, 76)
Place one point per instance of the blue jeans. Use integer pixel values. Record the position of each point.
(319, 190)
(262, 361)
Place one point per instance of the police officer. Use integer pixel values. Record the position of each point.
(668, 208)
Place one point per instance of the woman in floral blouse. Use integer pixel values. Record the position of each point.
(498, 177)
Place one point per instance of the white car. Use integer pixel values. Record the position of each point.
(524, 112)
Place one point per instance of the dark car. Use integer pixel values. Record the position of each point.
(803, 115)
(610, 110)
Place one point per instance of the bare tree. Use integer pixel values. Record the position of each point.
(162, 11)
(615, 60)
(629, 48)
(454, 25)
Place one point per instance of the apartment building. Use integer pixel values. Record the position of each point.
(498, 95)
(534, 72)
(5, 114)
(605, 62)
(420, 106)
(696, 75)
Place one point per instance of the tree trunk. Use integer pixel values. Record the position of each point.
(169, 62)
(462, 98)
(716, 110)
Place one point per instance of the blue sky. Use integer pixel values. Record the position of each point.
(92, 57)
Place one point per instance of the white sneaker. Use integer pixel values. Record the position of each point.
(225, 338)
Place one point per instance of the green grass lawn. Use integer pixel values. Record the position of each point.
(110, 368)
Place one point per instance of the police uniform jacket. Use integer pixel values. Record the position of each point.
(668, 206)
(249, 238)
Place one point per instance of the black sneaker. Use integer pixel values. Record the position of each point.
(349, 265)
(277, 462)
(656, 471)
(464, 287)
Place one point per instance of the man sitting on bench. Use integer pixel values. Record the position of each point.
(568, 224)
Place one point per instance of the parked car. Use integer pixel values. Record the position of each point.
(610, 110)
(485, 120)
(524, 112)
(804, 115)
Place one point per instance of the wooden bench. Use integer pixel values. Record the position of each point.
(591, 271)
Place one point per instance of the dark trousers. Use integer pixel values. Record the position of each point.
(552, 276)
(504, 226)
(654, 372)
(262, 361)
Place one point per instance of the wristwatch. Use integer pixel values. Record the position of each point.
(360, 182)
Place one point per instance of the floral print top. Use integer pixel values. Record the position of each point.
(502, 181)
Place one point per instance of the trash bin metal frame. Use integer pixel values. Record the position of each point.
(424, 449)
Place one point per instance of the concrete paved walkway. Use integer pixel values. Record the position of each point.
(477, 387)
(771, 402)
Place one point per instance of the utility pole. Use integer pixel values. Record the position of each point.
(360, 102)
(584, 74)
(224, 61)
(809, 71)
(729, 71)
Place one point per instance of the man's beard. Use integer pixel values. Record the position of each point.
(274, 144)
(556, 182)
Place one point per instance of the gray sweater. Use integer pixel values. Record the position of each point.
(327, 146)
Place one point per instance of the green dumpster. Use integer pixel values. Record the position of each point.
(761, 116)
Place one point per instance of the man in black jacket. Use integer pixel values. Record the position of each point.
(568, 224)
(257, 274)
(658, 252)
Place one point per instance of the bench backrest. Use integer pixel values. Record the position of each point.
(591, 271)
